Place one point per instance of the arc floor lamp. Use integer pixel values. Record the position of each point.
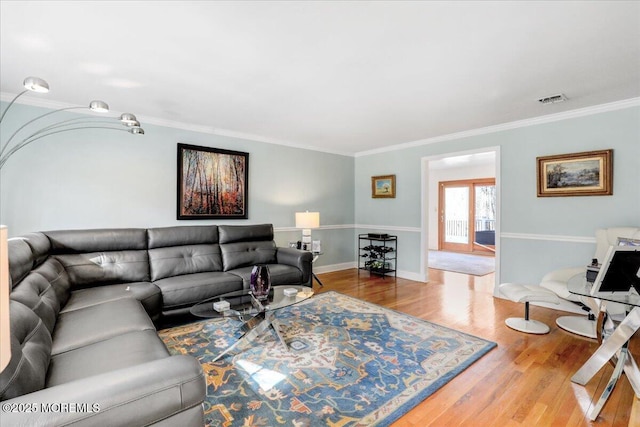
(25, 134)
(20, 138)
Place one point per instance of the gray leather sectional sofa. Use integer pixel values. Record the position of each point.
(84, 304)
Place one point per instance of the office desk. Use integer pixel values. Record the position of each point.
(615, 342)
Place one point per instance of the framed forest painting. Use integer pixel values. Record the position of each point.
(212, 183)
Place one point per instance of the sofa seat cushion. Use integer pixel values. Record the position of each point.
(189, 289)
(145, 292)
(122, 351)
(95, 323)
(280, 275)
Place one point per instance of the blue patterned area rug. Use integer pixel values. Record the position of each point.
(350, 363)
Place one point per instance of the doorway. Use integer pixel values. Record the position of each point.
(467, 215)
(461, 165)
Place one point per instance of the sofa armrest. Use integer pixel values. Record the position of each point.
(137, 396)
(296, 258)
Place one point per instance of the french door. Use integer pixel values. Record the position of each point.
(467, 212)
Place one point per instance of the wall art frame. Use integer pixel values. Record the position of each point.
(383, 186)
(589, 173)
(212, 183)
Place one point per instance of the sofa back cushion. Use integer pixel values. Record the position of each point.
(37, 294)
(101, 256)
(30, 354)
(174, 251)
(245, 233)
(98, 268)
(98, 240)
(21, 259)
(39, 244)
(53, 271)
(245, 245)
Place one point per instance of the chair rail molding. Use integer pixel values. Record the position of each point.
(549, 237)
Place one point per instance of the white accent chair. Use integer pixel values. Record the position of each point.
(558, 280)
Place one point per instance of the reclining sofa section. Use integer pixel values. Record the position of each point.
(83, 308)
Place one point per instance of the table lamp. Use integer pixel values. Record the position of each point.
(306, 221)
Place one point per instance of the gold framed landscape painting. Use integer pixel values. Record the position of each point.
(589, 173)
(383, 186)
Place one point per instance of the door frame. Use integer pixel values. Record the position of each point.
(425, 207)
(471, 246)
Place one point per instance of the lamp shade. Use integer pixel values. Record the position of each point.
(307, 220)
(5, 337)
(99, 106)
(36, 84)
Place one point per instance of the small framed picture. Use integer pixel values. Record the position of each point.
(383, 186)
(315, 246)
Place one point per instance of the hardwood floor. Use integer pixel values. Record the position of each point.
(525, 381)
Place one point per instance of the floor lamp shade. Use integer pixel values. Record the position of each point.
(5, 337)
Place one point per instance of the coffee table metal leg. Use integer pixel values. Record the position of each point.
(275, 324)
(234, 345)
(255, 327)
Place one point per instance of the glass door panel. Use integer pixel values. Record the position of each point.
(485, 211)
(484, 217)
(467, 211)
(455, 218)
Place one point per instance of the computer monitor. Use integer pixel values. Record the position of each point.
(619, 273)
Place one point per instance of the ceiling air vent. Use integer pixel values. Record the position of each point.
(553, 99)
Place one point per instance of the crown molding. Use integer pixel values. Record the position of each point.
(581, 112)
(34, 101)
(549, 118)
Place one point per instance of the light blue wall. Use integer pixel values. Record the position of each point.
(102, 178)
(529, 252)
(98, 178)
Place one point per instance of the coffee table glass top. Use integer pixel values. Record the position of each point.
(243, 306)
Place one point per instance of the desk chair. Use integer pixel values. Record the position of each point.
(557, 281)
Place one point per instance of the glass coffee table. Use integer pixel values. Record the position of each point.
(257, 316)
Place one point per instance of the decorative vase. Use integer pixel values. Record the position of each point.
(260, 281)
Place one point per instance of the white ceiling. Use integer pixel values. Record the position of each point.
(343, 77)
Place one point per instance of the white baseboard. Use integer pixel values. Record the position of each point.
(334, 267)
(410, 275)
